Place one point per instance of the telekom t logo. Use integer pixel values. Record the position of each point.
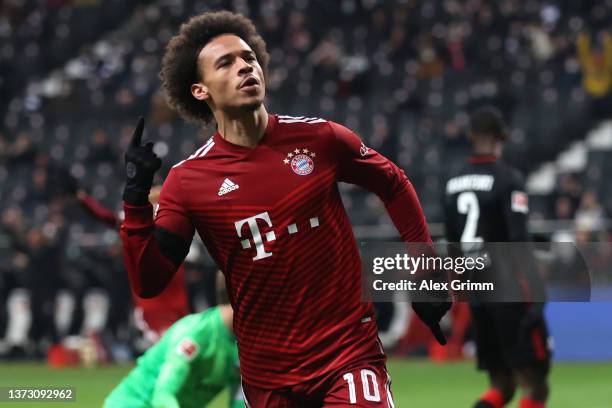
(258, 238)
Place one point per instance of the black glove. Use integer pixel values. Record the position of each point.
(431, 313)
(140, 167)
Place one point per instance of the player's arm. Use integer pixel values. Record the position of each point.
(360, 165)
(153, 250)
(96, 209)
(173, 374)
(515, 207)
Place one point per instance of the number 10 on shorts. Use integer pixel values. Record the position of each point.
(369, 383)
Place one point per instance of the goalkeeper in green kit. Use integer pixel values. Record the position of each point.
(190, 365)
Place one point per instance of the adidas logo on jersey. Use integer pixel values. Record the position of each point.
(227, 187)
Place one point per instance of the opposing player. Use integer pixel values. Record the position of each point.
(193, 362)
(262, 193)
(486, 202)
(152, 316)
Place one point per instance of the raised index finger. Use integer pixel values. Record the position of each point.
(137, 135)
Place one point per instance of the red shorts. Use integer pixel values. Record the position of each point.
(366, 384)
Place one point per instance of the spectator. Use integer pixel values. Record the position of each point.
(101, 150)
(430, 63)
(590, 215)
(596, 67)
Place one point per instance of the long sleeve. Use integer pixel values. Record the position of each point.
(363, 166)
(183, 350)
(153, 250)
(171, 379)
(97, 210)
(515, 207)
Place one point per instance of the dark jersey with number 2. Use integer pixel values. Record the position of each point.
(485, 203)
(486, 211)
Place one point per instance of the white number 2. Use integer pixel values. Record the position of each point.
(467, 203)
(370, 394)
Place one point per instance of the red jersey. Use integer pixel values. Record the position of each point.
(157, 314)
(273, 220)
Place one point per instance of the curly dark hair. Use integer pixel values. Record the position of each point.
(179, 65)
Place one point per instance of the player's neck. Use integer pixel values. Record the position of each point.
(487, 149)
(244, 129)
(483, 153)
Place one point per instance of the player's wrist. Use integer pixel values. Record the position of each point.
(135, 197)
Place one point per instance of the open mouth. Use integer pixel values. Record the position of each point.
(249, 82)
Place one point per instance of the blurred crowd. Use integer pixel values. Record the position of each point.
(38, 36)
(76, 74)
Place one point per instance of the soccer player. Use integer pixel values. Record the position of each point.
(152, 316)
(194, 361)
(486, 202)
(262, 193)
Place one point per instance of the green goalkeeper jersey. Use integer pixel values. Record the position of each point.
(193, 362)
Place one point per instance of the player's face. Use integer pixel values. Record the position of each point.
(232, 79)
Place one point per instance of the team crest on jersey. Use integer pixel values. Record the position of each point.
(520, 202)
(188, 348)
(301, 161)
(364, 150)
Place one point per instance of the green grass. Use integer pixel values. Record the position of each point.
(416, 383)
